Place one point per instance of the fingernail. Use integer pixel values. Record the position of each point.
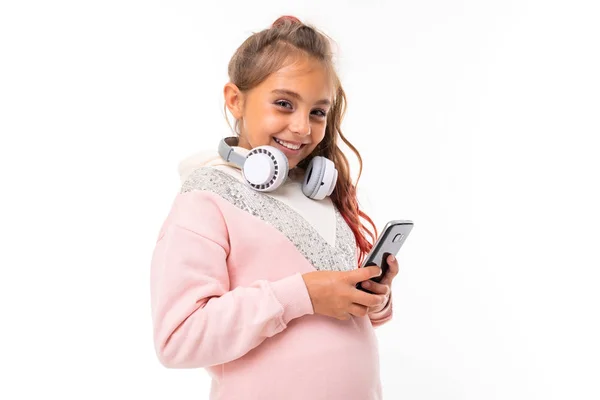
(366, 284)
(392, 257)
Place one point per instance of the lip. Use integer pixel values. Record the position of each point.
(289, 152)
(289, 141)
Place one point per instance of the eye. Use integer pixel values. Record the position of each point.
(320, 113)
(284, 103)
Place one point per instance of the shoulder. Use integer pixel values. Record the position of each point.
(207, 178)
(200, 195)
(214, 182)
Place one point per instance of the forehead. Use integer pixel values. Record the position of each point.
(307, 77)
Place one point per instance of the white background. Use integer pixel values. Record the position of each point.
(478, 120)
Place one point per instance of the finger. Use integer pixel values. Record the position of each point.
(377, 288)
(358, 310)
(392, 270)
(367, 299)
(364, 274)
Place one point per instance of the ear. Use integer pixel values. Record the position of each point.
(234, 100)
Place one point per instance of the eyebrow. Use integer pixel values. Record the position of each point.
(298, 97)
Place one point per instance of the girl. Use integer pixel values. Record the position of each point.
(255, 271)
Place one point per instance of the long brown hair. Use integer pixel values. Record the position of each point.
(269, 50)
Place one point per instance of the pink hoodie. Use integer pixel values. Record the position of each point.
(227, 295)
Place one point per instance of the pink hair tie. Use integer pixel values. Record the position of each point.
(282, 19)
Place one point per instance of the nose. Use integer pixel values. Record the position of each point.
(300, 125)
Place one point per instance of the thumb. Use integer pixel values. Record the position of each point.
(365, 273)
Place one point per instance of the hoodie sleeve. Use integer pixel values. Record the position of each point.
(381, 317)
(197, 320)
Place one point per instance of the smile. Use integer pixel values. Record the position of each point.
(288, 145)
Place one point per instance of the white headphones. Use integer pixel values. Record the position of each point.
(266, 168)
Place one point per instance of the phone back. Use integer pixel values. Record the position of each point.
(391, 240)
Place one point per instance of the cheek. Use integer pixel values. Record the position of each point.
(271, 122)
(319, 133)
(261, 123)
(268, 120)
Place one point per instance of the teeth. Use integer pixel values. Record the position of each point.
(288, 145)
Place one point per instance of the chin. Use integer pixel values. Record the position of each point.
(293, 164)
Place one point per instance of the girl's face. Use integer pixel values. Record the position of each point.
(288, 110)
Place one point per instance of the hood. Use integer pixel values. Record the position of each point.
(203, 159)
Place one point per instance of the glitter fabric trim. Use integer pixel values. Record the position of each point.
(286, 220)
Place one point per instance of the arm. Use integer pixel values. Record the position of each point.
(198, 321)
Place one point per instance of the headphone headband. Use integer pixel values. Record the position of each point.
(228, 154)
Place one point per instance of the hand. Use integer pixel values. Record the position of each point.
(384, 287)
(334, 293)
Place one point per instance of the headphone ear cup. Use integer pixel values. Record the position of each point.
(312, 177)
(333, 181)
(265, 168)
(320, 178)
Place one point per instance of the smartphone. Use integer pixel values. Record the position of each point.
(390, 241)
